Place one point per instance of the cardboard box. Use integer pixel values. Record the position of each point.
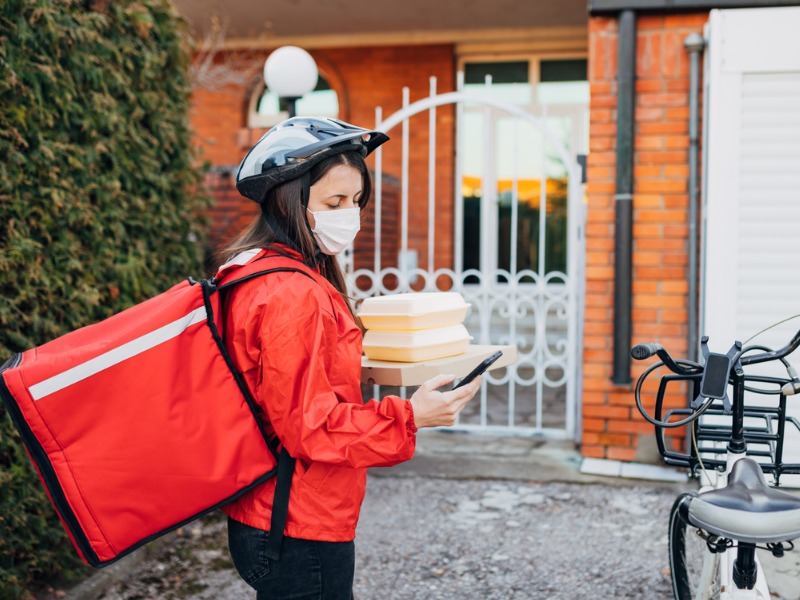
(412, 374)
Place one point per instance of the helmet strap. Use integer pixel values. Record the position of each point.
(305, 193)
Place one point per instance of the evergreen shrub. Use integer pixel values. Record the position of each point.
(99, 206)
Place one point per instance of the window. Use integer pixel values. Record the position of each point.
(510, 81)
(509, 158)
(562, 82)
(266, 109)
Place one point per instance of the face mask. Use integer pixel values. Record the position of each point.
(336, 229)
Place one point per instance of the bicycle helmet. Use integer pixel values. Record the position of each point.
(291, 148)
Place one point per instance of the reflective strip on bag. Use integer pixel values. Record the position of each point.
(117, 355)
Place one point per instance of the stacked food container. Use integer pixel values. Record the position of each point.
(414, 327)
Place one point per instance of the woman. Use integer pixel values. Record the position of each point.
(293, 337)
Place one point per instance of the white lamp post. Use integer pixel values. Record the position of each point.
(290, 72)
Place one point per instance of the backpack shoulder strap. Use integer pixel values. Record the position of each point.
(285, 468)
(261, 266)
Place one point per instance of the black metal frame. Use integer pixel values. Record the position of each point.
(763, 441)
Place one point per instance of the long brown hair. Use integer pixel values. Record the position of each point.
(283, 207)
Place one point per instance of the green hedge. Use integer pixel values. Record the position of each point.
(99, 205)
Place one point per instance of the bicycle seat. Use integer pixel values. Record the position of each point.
(747, 510)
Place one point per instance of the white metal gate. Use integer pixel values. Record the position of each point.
(537, 308)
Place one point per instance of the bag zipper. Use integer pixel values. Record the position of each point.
(46, 470)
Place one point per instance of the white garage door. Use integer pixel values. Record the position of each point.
(752, 210)
(752, 241)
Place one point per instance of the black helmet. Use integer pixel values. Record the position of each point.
(292, 147)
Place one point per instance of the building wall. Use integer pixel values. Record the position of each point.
(612, 426)
(364, 78)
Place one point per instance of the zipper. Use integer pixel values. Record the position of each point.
(11, 363)
(46, 470)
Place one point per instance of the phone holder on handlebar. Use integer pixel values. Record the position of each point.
(712, 421)
(716, 372)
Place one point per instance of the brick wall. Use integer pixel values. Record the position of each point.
(363, 79)
(612, 427)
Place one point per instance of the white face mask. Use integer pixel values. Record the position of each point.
(334, 230)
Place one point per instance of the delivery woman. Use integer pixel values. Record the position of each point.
(293, 337)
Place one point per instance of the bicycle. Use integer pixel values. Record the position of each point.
(736, 511)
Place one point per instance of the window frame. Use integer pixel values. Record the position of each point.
(256, 120)
(534, 60)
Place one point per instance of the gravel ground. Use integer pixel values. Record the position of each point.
(439, 538)
(470, 517)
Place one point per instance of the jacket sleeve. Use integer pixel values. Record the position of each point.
(310, 390)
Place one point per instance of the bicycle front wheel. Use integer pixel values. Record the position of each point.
(695, 570)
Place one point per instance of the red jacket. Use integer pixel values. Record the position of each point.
(299, 349)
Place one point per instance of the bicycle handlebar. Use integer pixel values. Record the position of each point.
(643, 351)
(775, 354)
(694, 370)
(718, 378)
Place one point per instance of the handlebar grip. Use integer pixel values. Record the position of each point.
(642, 351)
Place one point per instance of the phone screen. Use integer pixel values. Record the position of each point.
(479, 369)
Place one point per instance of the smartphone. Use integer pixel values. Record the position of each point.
(714, 383)
(479, 369)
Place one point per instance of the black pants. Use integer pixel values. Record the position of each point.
(307, 569)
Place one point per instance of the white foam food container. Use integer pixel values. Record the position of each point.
(415, 346)
(413, 311)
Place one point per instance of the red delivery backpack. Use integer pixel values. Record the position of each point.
(141, 423)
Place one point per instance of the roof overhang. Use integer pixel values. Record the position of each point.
(597, 7)
(347, 23)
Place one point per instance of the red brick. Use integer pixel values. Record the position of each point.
(608, 412)
(629, 426)
(675, 287)
(645, 287)
(660, 215)
(658, 243)
(594, 425)
(650, 21)
(676, 141)
(663, 186)
(666, 99)
(667, 127)
(647, 171)
(676, 171)
(649, 85)
(592, 451)
(647, 230)
(649, 113)
(623, 454)
(674, 316)
(659, 272)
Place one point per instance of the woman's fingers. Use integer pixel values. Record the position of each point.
(433, 408)
(464, 394)
(438, 381)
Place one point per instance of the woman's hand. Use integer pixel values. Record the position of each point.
(433, 408)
